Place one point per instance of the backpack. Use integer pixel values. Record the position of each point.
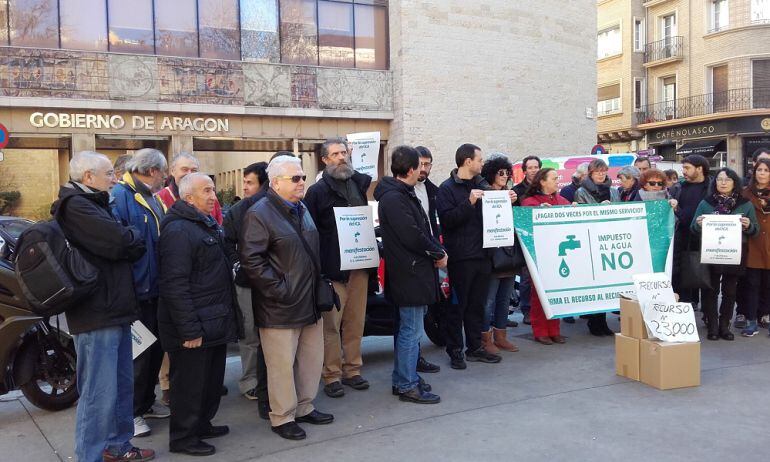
(52, 273)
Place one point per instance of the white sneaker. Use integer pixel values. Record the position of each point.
(140, 427)
(157, 411)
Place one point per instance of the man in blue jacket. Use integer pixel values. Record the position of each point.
(135, 205)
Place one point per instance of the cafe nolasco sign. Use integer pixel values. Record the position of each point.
(723, 127)
(118, 122)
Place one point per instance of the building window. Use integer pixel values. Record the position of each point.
(608, 98)
(719, 88)
(720, 15)
(609, 42)
(639, 34)
(668, 27)
(259, 31)
(3, 20)
(218, 28)
(83, 31)
(640, 94)
(761, 82)
(176, 28)
(34, 23)
(335, 34)
(299, 32)
(668, 96)
(371, 24)
(760, 11)
(131, 26)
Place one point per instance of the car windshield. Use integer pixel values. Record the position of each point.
(14, 228)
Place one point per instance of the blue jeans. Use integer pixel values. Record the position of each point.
(498, 301)
(525, 289)
(105, 375)
(408, 347)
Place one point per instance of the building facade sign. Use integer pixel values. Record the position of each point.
(135, 122)
(707, 130)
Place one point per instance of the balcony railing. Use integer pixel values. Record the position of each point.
(739, 99)
(669, 47)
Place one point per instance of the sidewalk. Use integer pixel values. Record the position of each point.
(544, 403)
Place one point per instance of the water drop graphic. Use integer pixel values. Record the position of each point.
(563, 269)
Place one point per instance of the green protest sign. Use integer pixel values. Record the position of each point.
(581, 258)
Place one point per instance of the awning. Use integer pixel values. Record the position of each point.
(706, 148)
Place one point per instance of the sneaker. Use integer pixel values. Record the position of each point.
(419, 396)
(427, 367)
(457, 360)
(251, 394)
(481, 355)
(140, 427)
(764, 321)
(159, 411)
(750, 330)
(133, 455)
(740, 321)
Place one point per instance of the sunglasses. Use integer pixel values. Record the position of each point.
(294, 179)
(656, 183)
(503, 173)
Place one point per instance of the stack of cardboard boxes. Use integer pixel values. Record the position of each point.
(662, 365)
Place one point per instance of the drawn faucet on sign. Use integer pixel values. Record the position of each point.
(564, 246)
(356, 236)
(497, 219)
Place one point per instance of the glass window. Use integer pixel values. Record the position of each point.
(219, 29)
(176, 28)
(639, 35)
(131, 26)
(259, 31)
(608, 42)
(335, 34)
(83, 31)
(299, 41)
(720, 15)
(34, 23)
(3, 22)
(608, 99)
(760, 11)
(371, 37)
(640, 99)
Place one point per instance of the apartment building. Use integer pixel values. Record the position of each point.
(704, 82)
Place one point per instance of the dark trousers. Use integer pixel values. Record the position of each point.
(742, 296)
(470, 282)
(683, 241)
(197, 376)
(525, 290)
(261, 375)
(719, 320)
(147, 365)
(757, 293)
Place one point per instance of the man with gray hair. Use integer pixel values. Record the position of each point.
(101, 325)
(135, 205)
(340, 186)
(182, 164)
(568, 192)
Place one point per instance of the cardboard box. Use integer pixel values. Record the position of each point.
(627, 356)
(631, 321)
(669, 365)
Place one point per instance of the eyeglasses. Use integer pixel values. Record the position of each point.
(294, 179)
(503, 173)
(656, 183)
(426, 164)
(724, 180)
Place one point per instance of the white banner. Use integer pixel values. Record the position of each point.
(671, 321)
(141, 338)
(355, 231)
(497, 212)
(721, 240)
(366, 152)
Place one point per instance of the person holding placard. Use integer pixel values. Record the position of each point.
(340, 186)
(531, 165)
(544, 192)
(724, 198)
(758, 261)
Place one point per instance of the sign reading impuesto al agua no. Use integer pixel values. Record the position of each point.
(582, 257)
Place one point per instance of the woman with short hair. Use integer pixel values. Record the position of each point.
(758, 261)
(629, 182)
(652, 187)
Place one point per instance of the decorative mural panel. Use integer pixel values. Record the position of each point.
(303, 87)
(51, 73)
(202, 82)
(346, 89)
(267, 85)
(133, 77)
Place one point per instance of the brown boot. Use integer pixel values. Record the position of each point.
(487, 343)
(501, 341)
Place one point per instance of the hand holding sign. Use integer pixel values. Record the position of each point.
(358, 244)
(721, 240)
(497, 214)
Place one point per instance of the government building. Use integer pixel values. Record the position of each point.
(232, 81)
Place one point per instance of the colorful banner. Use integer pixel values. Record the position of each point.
(358, 244)
(366, 152)
(497, 214)
(582, 257)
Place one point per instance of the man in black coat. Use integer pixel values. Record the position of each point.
(531, 165)
(412, 255)
(340, 186)
(197, 316)
(101, 325)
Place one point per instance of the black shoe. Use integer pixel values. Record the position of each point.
(316, 418)
(356, 382)
(608, 331)
(416, 395)
(198, 449)
(426, 367)
(727, 335)
(569, 320)
(334, 390)
(224, 392)
(290, 431)
(712, 337)
(424, 386)
(482, 356)
(215, 431)
(512, 323)
(526, 319)
(263, 407)
(457, 360)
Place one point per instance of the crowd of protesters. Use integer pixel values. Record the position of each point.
(257, 274)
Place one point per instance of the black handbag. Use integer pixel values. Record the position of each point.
(693, 273)
(507, 259)
(326, 297)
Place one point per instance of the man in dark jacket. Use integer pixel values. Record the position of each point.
(412, 255)
(279, 253)
(459, 210)
(340, 186)
(101, 325)
(197, 314)
(135, 205)
(531, 165)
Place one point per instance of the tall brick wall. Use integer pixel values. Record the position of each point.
(34, 173)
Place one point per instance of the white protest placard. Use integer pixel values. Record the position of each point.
(671, 322)
(355, 231)
(366, 152)
(653, 287)
(721, 240)
(497, 213)
(375, 212)
(141, 338)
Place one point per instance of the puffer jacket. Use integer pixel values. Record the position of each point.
(461, 224)
(588, 192)
(281, 272)
(197, 294)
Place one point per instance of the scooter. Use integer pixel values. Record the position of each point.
(36, 356)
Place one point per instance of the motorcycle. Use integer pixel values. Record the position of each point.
(36, 356)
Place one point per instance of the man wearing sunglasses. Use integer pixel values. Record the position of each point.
(340, 186)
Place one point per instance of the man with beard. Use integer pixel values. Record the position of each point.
(340, 186)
